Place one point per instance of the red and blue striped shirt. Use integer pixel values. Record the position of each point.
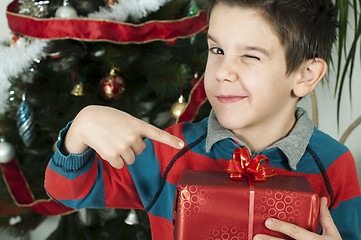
(86, 180)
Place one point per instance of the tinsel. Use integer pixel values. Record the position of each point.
(123, 9)
(15, 60)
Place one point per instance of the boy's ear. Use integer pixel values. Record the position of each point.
(310, 75)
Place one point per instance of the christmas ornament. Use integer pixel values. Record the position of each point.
(54, 145)
(39, 9)
(112, 87)
(78, 90)
(178, 108)
(66, 11)
(7, 151)
(132, 218)
(99, 52)
(25, 122)
(11, 95)
(42, 9)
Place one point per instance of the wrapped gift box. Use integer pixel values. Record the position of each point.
(209, 205)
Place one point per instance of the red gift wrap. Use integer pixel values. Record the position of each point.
(211, 206)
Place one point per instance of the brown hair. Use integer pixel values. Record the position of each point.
(306, 28)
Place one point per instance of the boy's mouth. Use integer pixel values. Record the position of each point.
(229, 98)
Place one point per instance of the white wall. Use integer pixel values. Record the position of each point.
(4, 30)
(327, 117)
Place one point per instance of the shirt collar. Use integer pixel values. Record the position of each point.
(293, 146)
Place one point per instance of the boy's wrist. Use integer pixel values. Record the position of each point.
(73, 144)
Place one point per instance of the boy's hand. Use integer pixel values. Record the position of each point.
(329, 230)
(115, 135)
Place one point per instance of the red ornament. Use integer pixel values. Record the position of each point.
(112, 87)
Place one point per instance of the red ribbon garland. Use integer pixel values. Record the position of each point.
(243, 166)
(22, 195)
(104, 30)
(196, 99)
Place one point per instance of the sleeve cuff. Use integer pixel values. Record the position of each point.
(70, 162)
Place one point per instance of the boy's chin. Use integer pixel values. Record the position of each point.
(230, 123)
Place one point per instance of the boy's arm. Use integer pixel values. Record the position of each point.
(115, 135)
(82, 178)
(86, 180)
(329, 229)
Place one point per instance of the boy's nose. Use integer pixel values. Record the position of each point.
(227, 72)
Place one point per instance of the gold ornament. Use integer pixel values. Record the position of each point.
(112, 87)
(178, 108)
(54, 145)
(78, 90)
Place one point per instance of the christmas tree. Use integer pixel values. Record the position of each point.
(143, 57)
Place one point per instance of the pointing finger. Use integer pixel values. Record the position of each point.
(162, 136)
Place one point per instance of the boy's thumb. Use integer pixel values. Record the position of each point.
(326, 221)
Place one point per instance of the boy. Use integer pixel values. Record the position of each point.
(263, 56)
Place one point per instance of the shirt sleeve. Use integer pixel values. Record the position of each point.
(86, 180)
(346, 206)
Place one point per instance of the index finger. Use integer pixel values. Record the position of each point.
(162, 136)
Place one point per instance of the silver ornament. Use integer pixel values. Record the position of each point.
(42, 9)
(66, 11)
(25, 122)
(39, 9)
(7, 151)
(132, 218)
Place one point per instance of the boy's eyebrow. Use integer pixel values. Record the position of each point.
(210, 37)
(250, 48)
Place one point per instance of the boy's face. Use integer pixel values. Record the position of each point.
(245, 79)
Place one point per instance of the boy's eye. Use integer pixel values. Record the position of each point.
(216, 50)
(252, 57)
